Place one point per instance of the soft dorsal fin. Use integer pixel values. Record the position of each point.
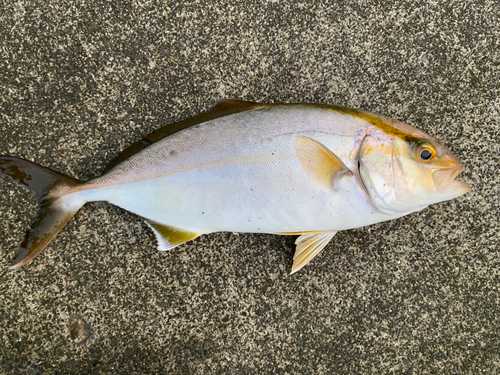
(169, 237)
(221, 108)
(320, 164)
(233, 105)
(308, 246)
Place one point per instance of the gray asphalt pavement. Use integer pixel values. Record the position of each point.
(81, 80)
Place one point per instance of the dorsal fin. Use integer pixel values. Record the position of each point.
(233, 106)
(221, 108)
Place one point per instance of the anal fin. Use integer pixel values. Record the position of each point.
(168, 236)
(308, 246)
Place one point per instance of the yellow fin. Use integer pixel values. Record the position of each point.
(320, 164)
(308, 246)
(296, 233)
(169, 237)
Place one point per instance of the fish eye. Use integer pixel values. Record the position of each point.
(426, 152)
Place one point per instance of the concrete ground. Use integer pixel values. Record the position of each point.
(79, 81)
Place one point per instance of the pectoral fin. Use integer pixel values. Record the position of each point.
(320, 164)
(308, 246)
(169, 237)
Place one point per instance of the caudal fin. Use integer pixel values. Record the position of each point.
(55, 209)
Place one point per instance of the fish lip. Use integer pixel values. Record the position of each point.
(445, 180)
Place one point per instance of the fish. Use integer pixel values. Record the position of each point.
(310, 170)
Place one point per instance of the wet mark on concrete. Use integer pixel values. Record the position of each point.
(80, 330)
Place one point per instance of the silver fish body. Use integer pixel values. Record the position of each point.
(240, 173)
(284, 169)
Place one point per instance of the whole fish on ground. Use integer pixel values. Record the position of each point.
(291, 169)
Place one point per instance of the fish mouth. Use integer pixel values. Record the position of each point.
(444, 180)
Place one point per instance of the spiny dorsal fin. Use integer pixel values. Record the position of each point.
(221, 108)
(320, 164)
(169, 237)
(308, 246)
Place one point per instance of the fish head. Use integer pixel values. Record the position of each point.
(402, 169)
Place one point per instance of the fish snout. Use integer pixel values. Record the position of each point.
(444, 180)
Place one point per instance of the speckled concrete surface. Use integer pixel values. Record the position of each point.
(79, 81)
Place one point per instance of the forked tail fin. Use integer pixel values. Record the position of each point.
(55, 210)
